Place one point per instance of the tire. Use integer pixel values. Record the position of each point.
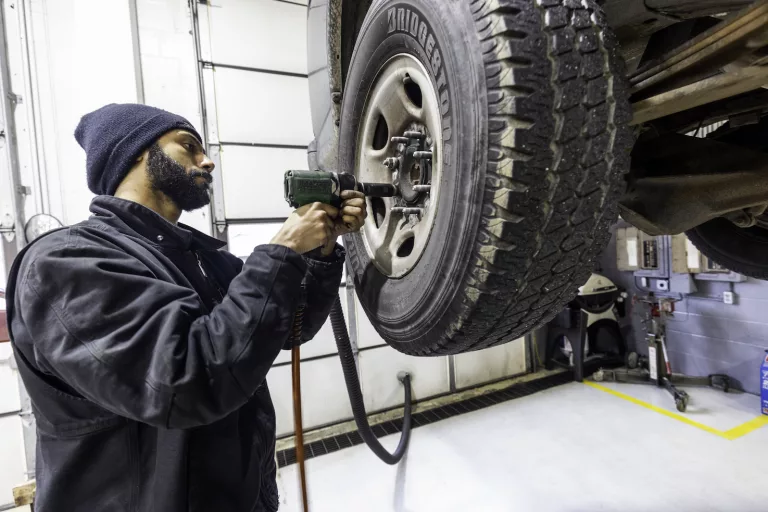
(535, 142)
(740, 250)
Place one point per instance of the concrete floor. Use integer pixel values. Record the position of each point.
(571, 448)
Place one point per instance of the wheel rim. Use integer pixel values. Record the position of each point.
(402, 104)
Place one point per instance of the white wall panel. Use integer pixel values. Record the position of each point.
(262, 108)
(261, 34)
(9, 382)
(378, 374)
(475, 368)
(243, 238)
(323, 344)
(91, 64)
(12, 467)
(169, 71)
(169, 68)
(253, 180)
(324, 395)
(3, 274)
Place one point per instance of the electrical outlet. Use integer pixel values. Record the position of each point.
(662, 284)
(728, 297)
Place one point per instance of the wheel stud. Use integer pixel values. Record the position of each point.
(400, 140)
(427, 155)
(422, 188)
(414, 135)
(407, 211)
(392, 163)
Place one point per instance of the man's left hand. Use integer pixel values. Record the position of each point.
(351, 217)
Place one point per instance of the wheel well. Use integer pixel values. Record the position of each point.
(352, 15)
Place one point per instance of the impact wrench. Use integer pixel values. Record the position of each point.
(306, 187)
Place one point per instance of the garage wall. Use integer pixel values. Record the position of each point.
(707, 336)
(164, 45)
(71, 71)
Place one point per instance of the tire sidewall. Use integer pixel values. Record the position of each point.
(737, 249)
(410, 307)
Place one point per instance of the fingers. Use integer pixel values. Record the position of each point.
(355, 206)
(325, 215)
(303, 209)
(355, 202)
(353, 214)
(354, 211)
(352, 194)
(352, 222)
(332, 211)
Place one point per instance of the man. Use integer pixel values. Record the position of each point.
(145, 347)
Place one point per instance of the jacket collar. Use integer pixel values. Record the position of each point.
(131, 218)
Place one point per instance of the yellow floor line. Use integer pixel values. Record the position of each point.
(746, 428)
(731, 434)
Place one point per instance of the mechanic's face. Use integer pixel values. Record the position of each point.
(178, 167)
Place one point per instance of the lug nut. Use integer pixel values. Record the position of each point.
(427, 155)
(392, 163)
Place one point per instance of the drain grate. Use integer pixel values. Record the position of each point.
(341, 441)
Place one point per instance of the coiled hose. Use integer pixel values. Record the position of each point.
(352, 381)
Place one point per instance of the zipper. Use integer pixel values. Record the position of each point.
(200, 264)
(208, 279)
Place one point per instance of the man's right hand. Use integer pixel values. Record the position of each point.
(308, 228)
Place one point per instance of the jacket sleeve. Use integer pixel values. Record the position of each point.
(322, 282)
(145, 348)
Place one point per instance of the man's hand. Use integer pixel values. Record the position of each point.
(308, 228)
(353, 213)
(351, 218)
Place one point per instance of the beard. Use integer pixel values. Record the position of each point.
(168, 176)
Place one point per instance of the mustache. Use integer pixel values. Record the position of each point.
(197, 173)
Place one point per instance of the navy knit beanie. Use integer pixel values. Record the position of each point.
(115, 135)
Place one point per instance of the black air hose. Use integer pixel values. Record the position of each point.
(356, 395)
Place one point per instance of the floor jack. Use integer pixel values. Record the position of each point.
(656, 368)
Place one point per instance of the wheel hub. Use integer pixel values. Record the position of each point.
(412, 164)
(397, 143)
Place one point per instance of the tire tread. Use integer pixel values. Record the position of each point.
(548, 201)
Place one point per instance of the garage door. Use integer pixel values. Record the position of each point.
(252, 61)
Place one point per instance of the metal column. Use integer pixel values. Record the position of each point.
(11, 190)
(12, 215)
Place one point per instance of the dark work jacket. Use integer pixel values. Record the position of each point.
(144, 348)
